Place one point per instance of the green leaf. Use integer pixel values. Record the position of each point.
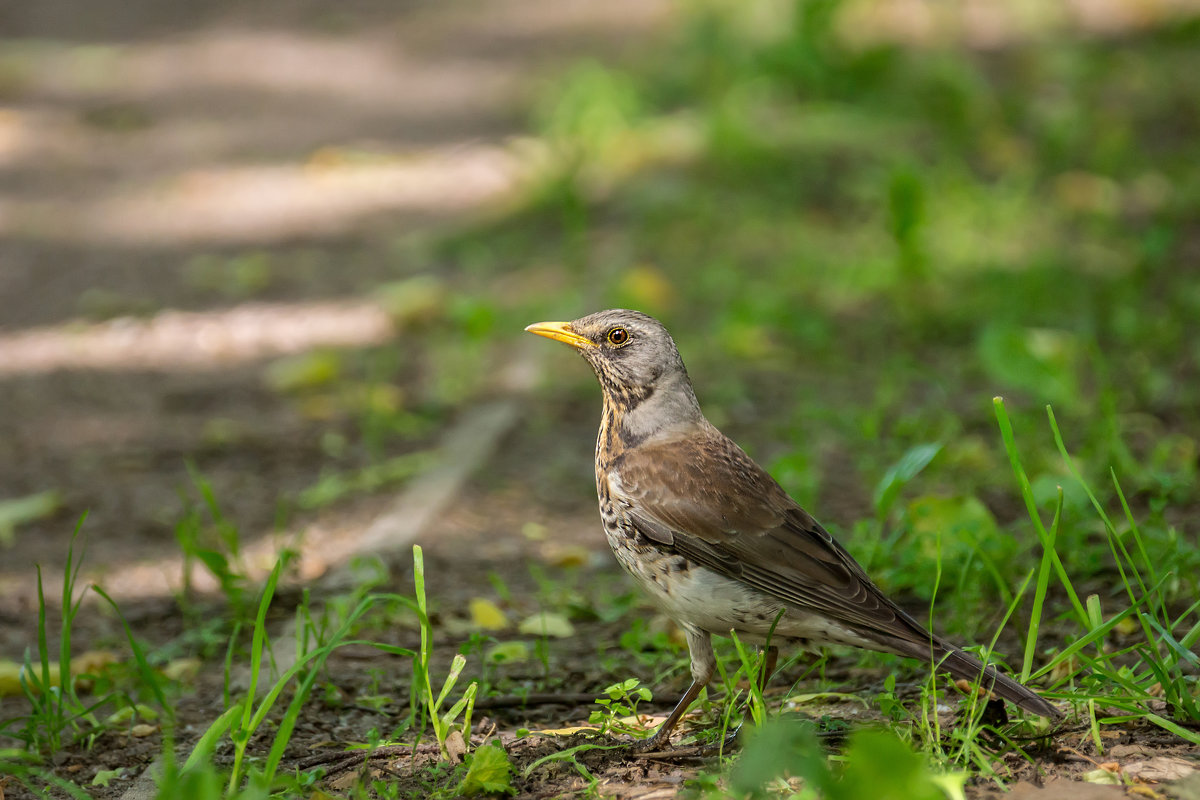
(507, 653)
(546, 623)
(900, 473)
(781, 744)
(959, 519)
(22, 510)
(305, 371)
(880, 766)
(1040, 361)
(104, 776)
(490, 772)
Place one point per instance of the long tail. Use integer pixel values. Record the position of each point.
(965, 666)
(908, 637)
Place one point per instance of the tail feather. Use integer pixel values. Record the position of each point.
(909, 638)
(965, 666)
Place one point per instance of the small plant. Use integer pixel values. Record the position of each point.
(245, 717)
(218, 548)
(442, 724)
(618, 709)
(753, 666)
(57, 713)
(489, 771)
(1162, 662)
(58, 716)
(24, 768)
(571, 756)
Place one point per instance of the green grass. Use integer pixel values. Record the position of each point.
(1105, 685)
(856, 247)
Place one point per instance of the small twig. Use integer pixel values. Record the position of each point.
(690, 752)
(1071, 751)
(389, 771)
(342, 760)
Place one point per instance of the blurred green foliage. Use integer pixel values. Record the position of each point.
(857, 244)
(875, 764)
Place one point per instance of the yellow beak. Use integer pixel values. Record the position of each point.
(560, 331)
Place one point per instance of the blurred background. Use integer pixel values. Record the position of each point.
(264, 265)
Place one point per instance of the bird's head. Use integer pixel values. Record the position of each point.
(632, 354)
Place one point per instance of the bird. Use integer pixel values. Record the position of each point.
(714, 540)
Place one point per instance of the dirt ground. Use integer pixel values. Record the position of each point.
(139, 143)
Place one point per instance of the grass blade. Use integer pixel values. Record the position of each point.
(1039, 592)
(1010, 445)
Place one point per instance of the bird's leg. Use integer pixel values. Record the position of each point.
(704, 664)
(662, 737)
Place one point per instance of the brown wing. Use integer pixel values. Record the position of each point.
(708, 500)
(704, 497)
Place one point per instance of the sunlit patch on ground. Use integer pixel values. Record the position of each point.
(327, 195)
(987, 24)
(175, 340)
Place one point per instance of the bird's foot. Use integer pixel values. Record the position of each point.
(655, 748)
(654, 744)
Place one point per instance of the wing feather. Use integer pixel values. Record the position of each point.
(736, 520)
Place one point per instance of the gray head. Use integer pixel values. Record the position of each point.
(633, 355)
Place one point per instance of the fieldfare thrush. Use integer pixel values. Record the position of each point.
(713, 539)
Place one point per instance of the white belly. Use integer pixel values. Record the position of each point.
(696, 596)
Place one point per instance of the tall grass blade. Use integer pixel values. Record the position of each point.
(145, 671)
(1010, 445)
(1039, 592)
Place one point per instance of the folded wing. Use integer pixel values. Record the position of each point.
(736, 520)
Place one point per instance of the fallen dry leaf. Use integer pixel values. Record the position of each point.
(344, 782)
(183, 670)
(486, 615)
(1160, 768)
(566, 731)
(456, 747)
(90, 662)
(558, 555)
(1123, 752)
(1065, 789)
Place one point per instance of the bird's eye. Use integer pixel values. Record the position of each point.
(618, 337)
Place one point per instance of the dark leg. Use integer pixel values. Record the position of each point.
(662, 737)
(703, 666)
